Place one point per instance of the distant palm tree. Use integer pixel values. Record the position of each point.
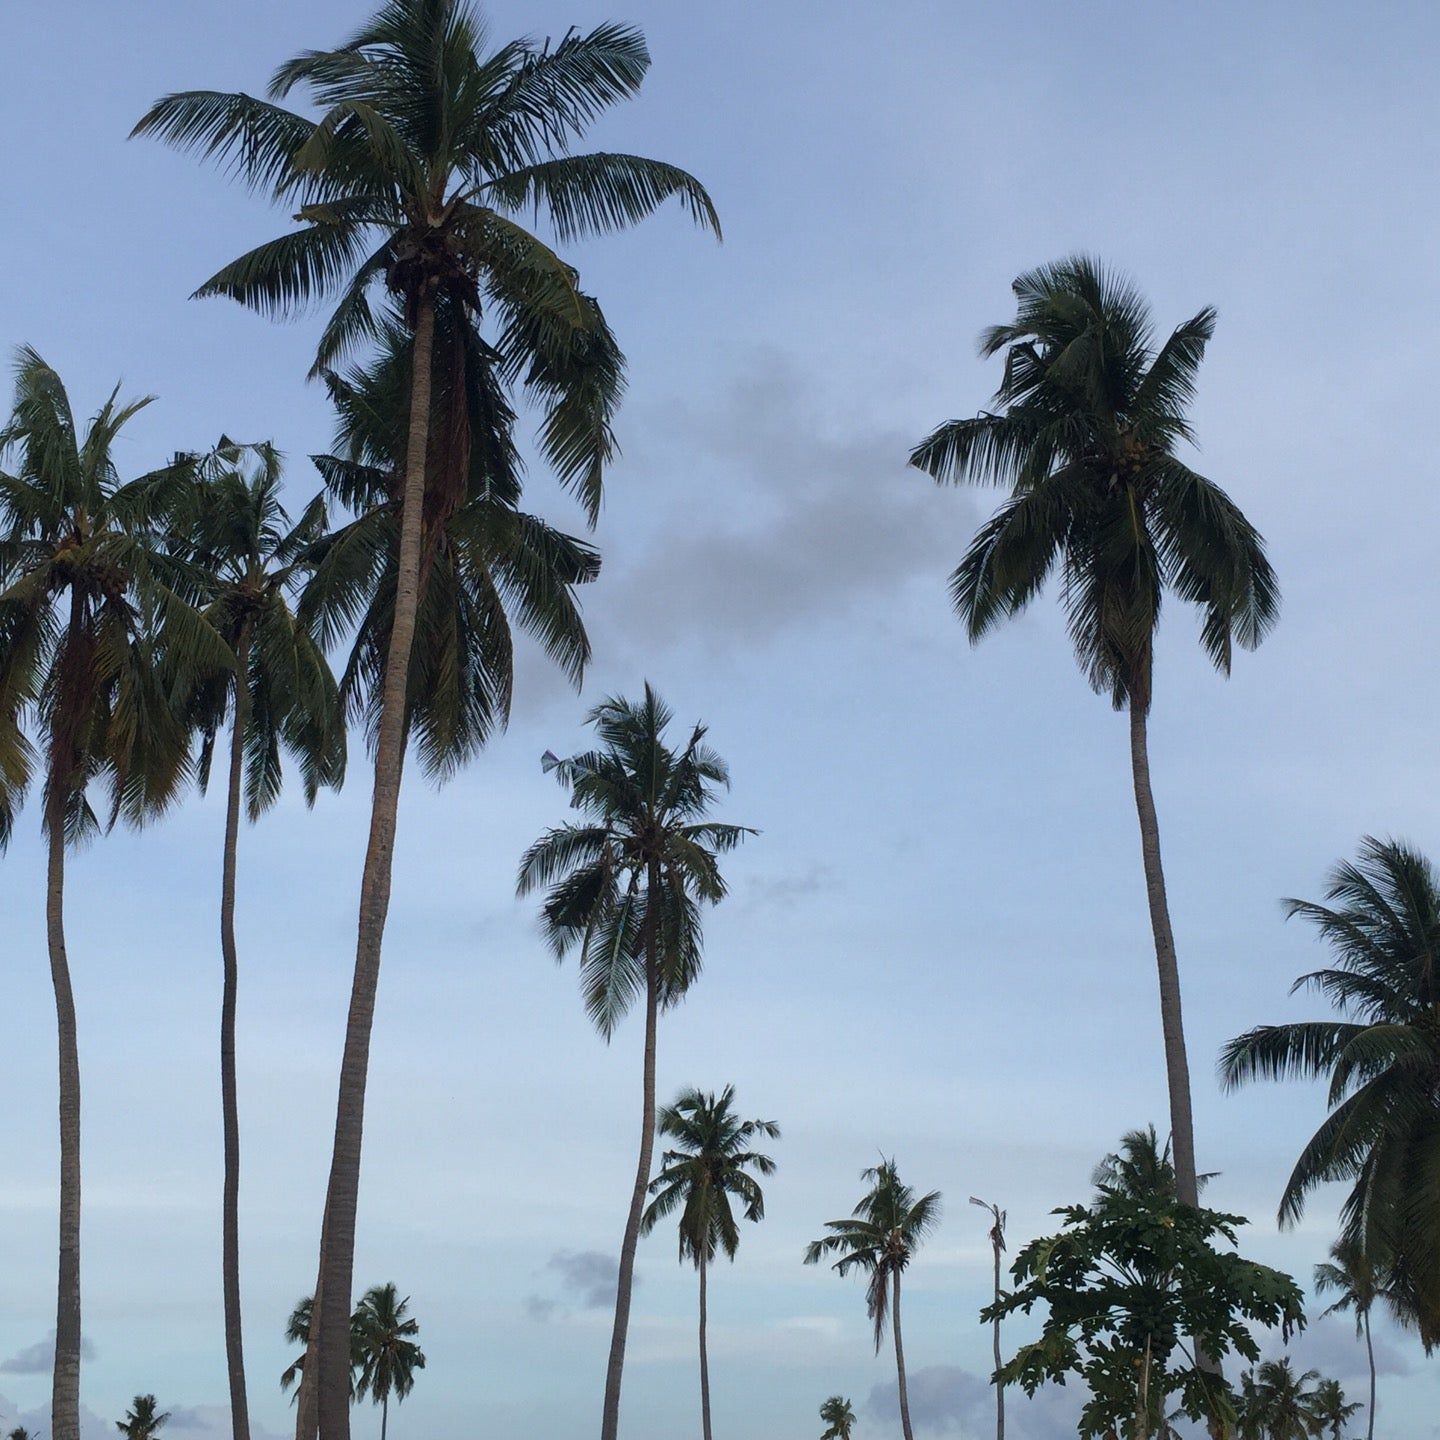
(625, 886)
(1331, 1410)
(710, 1162)
(427, 154)
(997, 1249)
(21, 1433)
(1383, 1063)
(91, 638)
(297, 1332)
(839, 1417)
(143, 1422)
(232, 527)
(386, 1349)
(1357, 1285)
(1090, 413)
(880, 1238)
(1278, 1404)
(1140, 1170)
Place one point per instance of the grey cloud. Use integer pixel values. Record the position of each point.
(946, 1400)
(588, 1277)
(38, 1358)
(785, 890)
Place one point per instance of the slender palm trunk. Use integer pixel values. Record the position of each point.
(229, 1102)
(900, 1356)
(995, 1331)
(704, 1360)
(1177, 1066)
(384, 1415)
(65, 1393)
(1370, 1355)
(610, 1417)
(338, 1234)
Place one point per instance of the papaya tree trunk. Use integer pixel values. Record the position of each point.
(614, 1370)
(900, 1356)
(342, 1195)
(704, 1359)
(229, 1101)
(65, 1392)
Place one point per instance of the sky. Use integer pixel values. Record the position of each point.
(937, 946)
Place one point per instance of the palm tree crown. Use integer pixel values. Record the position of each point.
(144, 1420)
(1383, 1063)
(1141, 1169)
(1278, 1404)
(1330, 1410)
(387, 1349)
(711, 1162)
(839, 1417)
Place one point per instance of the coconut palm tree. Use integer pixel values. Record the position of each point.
(231, 526)
(21, 1433)
(625, 886)
(91, 638)
(297, 1332)
(839, 1417)
(1331, 1410)
(1278, 1404)
(1382, 1059)
(711, 1161)
(143, 1421)
(1357, 1285)
(1089, 415)
(386, 1348)
(879, 1239)
(1141, 1169)
(425, 150)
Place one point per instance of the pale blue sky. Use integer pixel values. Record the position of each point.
(938, 946)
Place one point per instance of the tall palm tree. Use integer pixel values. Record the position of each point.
(1356, 1284)
(1278, 1404)
(232, 527)
(879, 1239)
(1382, 1059)
(91, 637)
(1089, 415)
(144, 1420)
(711, 1161)
(425, 150)
(386, 1348)
(997, 1249)
(1331, 1410)
(839, 1417)
(625, 885)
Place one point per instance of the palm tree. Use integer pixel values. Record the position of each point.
(1141, 1169)
(711, 1162)
(1277, 1404)
(880, 1238)
(1382, 1059)
(626, 885)
(298, 1331)
(232, 526)
(1331, 1410)
(143, 1421)
(839, 1417)
(997, 1249)
(1356, 1285)
(1090, 415)
(424, 152)
(91, 636)
(21, 1433)
(388, 1354)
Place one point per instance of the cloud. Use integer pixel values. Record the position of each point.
(794, 519)
(588, 1279)
(39, 1358)
(946, 1400)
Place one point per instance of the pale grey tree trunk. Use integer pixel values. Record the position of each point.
(342, 1196)
(900, 1356)
(704, 1359)
(1370, 1355)
(229, 1099)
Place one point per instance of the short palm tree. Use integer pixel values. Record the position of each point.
(879, 1239)
(144, 1421)
(838, 1415)
(1331, 1410)
(298, 1332)
(1089, 415)
(426, 150)
(625, 886)
(20, 1433)
(1382, 1060)
(91, 638)
(1356, 1285)
(1277, 1404)
(710, 1163)
(386, 1348)
(233, 529)
(1141, 1169)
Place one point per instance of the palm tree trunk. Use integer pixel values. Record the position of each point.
(1370, 1355)
(704, 1360)
(999, 1388)
(229, 1103)
(65, 1393)
(900, 1356)
(610, 1417)
(338, 1258)
(384, 1415)
(1177, 1066)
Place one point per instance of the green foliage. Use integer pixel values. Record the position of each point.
(630, 880)
(1141, 1169)
(1089, 415)
(1382, 1060)
(1330, 1410)
(839, 1417)
(385, 1345)
(144, 1420)
(1277, 1404)
(879, 1238)
(297, 1332)
(709, 1164)
(1133, 1287)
